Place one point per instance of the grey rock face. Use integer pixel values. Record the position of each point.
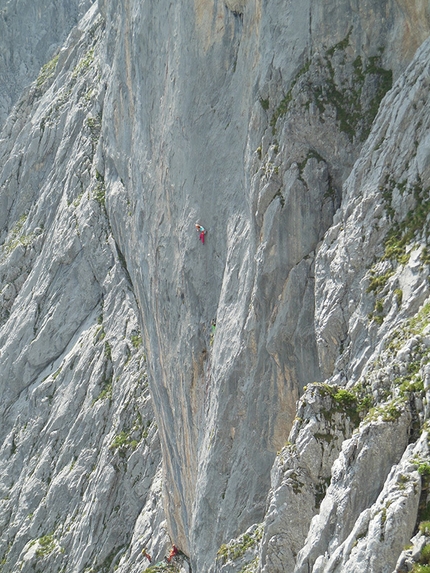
(376, 331)
(383, 221)
(300, 477)
(246, 118)
(372, 451)
(79, 487)
(229, 406)
(267, 184)
(30, 34)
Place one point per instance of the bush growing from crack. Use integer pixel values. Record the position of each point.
(84, 63)
(238, 547)
(47, 71)
(388, 412)
(136, 340)
(16, 237)
(106, 391)
(46, 546)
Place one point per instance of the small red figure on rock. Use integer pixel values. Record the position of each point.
(174, 551)
(202, 232)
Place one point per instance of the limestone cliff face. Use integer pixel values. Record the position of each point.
(258, 121)
(247, 123)
(30, 34)
(79, 447)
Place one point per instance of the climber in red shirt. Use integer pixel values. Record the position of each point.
(202, 232)
(174, 551)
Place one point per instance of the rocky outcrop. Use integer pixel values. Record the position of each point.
(361, 493)
(79, 480)
(273, 148)
(30, 36)
(261, 123)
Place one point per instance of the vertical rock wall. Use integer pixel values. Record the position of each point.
(30, 34)
(246, 117)
(247, 120)
(80, 485)
(349, 489)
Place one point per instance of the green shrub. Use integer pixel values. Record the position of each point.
(136, 340)
(47, 71)
(398, 293)
(46, 546)
(106, 391)
(418, 568)
(424, 527)
(16, 237)
(237, 548)
(378, 282)
(121, 440)
(344, 398)
(100, 194)
(84, 63)
(388, 412)
(424, 468)
(108, 351)
(425, 555)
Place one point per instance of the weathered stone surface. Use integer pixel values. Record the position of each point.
(79, 447)
(346, 291)
(229, 406)
(30, 35)
(300, 476)
(372, 451)
(389, 523)
(248, 118)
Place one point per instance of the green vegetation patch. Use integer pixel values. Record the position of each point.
(84, 64)
(340, 46)
(129, 438)
(108, 351)
(94, 124)
(423, 565)
(354, 403)
(424, 527)
(238, 547)
(418, 568)
(378, 282)
(412, 327)
(99, 191)
(404, 233)
(251, 567)
(282, 108)
(16, 237)
(46, 546)
(423, 468)
(354, 114)
(400, 240)
(136, 340)
(106, 390)
(47, 71)
(408, 385)
(388, 412)
(123, 440)
(353, 89)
